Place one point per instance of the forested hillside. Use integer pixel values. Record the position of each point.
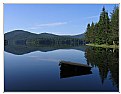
(21, 37)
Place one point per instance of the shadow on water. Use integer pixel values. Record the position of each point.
(107, 61)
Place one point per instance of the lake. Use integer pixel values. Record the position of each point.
(37, 69)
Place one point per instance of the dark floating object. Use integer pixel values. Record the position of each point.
(78, 65)
(70, 69)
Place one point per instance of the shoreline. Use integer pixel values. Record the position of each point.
(104, 46)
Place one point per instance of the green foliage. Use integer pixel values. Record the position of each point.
(105, 31)
(87, 34)
(115, 25)
(104, 26)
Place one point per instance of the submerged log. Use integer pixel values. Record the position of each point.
(68, 63)
(70, 69)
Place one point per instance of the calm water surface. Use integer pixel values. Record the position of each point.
(39, 70)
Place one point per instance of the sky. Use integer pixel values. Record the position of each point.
(61, 19)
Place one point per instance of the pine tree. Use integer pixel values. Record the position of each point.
(87, 35)
(96, 34)
(104, 27)
(115, 26)
(92, 37)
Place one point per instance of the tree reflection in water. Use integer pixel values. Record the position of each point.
(107, 60)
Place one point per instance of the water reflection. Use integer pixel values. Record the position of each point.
(24, 49)
(107, 60)
(104, 63)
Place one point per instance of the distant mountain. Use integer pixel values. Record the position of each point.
(18, 34)
(21, 34)
(21, 37)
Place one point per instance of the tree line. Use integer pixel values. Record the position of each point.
(106, 30)
(48, 41)
(56, 41)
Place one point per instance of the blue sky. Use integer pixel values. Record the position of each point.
(62, 19)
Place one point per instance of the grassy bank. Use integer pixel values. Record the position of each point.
(104, 46)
